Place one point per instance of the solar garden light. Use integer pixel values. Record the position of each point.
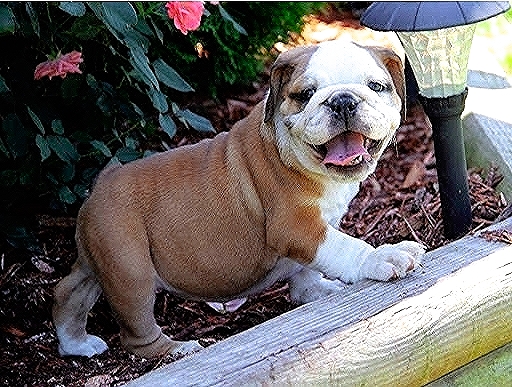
(436, 37)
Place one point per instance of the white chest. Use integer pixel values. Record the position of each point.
(334, 203)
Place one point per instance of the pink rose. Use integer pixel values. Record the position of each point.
(60, 66)
(186, 14)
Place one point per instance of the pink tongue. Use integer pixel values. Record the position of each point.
(344, 148)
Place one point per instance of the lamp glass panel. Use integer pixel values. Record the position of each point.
(439, 59)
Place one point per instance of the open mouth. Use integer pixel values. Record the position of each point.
(347, 150)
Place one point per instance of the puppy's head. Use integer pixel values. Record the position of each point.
(335, 107)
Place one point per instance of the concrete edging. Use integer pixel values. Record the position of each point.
(487, 119)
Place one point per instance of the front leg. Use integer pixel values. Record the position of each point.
(351, 259)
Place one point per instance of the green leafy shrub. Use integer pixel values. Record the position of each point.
(137, 72)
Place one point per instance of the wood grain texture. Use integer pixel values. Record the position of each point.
(453, 309)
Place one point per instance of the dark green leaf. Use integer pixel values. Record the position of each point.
(3, 86)
(168, 76)
(92, 82)
(120, 14)
(86, 27)
(140, 63)
(143, 27)
(89, 174)
(67, 173)
(43, 146)
(63, 148)
(33, 18)
(105, 104)
(158, 32)
(71, 87)
(102, 147)
(36, 120)
(114, 161)
(159, 100)
(8, 178)
(119, 17)
(228, 17)
(7, 20)
(81, 136)
(66, 195)
(57, 127)
(126, 154)
(167, 124)
(16, 135)
(196, 121)
(81, 190)
(28, 174)
(3, 148)
(130, 142)
(138, 110)
(149, 152)
(52, 179)
(99, 11)
(74, 8)
(134, 39)
(19, 237)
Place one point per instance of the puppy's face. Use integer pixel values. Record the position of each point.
(335, 107)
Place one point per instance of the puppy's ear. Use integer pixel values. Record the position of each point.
(394, 65)
(280, 74)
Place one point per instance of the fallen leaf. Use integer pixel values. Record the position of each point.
(42, 266)
(414, 175)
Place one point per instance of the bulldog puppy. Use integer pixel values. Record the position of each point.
(226, 218)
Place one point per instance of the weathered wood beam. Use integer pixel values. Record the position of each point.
(493, 369)
(409, 332)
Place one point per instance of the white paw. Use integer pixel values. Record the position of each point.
(91, 345)
(388, 262)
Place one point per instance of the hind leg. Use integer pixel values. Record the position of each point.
(309, 285)
(75, 295)
(128, 279)
(133, 306)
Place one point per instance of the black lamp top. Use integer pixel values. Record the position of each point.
(428, 15)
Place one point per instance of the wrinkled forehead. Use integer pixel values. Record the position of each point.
(343, 62)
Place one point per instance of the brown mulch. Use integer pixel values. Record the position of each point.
(400, 201)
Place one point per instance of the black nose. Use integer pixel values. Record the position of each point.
(343, 104)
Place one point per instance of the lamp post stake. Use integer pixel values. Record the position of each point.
(437, 39)
(445, 116)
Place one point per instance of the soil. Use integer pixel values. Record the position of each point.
(400, 201)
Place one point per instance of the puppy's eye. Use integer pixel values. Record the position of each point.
(377, 86)
(303, 96)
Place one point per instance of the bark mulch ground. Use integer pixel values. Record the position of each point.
(400, 201)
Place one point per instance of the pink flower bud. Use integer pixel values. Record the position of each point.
(60, 66)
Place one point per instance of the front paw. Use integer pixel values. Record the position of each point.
(388, 262)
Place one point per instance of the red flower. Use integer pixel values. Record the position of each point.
(60, 66)
(186, 14)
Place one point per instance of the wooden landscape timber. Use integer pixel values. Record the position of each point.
(452, 310)
(493, 369)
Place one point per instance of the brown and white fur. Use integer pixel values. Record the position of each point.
(225, 218)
